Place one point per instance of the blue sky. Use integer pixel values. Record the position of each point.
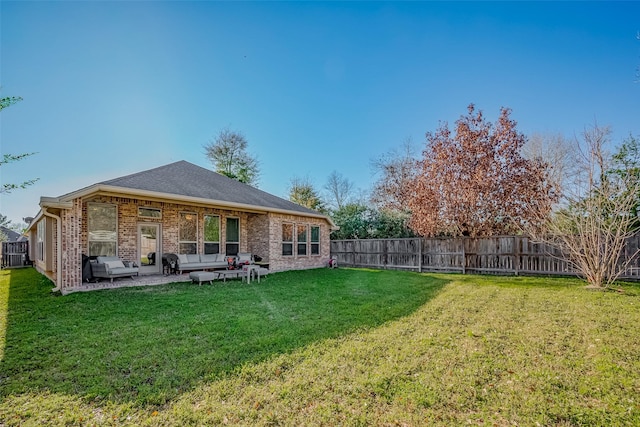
(112, 88)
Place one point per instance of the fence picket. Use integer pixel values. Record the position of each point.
(494, 255)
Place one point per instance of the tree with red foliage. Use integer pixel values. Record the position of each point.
(476, 182)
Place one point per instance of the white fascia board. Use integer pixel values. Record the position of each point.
(55, 202)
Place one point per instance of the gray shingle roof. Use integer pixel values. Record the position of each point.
(186, 179)
(11, 235)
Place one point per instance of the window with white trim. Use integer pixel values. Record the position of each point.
(187, 233)
(211, 230)
(301, 234)
(315, 240)
(102, 228)
(233, 236)
(287, 239)
(40, 239)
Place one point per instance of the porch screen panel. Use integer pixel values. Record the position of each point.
(233, 236)
(315, 240)
(188, 232)
(102, 227)
(211, 234)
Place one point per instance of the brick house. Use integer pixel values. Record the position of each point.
(176, 208)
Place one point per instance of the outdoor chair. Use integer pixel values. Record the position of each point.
(244, 258)
(110, 267)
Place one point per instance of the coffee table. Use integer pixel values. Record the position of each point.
(227, 273)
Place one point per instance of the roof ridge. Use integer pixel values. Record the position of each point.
(108, 181)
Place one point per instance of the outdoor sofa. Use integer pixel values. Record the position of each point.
(188, 262)
(110, 267)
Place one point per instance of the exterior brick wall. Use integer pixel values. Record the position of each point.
(260, 233)
(128, 222)
(279, 262)
(71, 247)
(258, 229)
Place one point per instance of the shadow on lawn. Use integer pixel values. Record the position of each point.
(147, 345)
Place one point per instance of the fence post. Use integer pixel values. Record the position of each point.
(464, 256)
(385, 254)
(353, 252)
(516, 254)
(419, 254)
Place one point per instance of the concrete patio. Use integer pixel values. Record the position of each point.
(127, 282)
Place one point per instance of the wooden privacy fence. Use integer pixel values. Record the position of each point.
(491, 255)
(15, 254)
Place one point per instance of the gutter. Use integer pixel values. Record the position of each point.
(54, 202)
(58, 248)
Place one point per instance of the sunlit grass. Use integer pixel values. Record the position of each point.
(367, 348)
(4, 309)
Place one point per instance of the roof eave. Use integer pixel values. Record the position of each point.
(119, 191)
(55, 202)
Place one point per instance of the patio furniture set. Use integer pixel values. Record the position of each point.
(204, 267)
(246, 272)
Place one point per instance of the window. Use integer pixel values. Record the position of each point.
(287, 239)
(40, 238)
(188, 229)
(211, 234)
(149, 213)
(302, 239)
(233, 236)
(102, 227)
(315, 240)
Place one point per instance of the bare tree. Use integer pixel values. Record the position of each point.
(593, 227)
(397, 169)
(339, 190)
(558, 153)
(228, 153)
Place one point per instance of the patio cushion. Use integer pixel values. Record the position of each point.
(193, 258)
(208, 258)
(182, 258)
(113, 264)
(244, 258)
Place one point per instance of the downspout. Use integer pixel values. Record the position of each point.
(58, 248)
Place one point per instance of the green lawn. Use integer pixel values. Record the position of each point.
(321, 347)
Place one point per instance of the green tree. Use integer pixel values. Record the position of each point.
(229, 156)
(359, 221)
(354, 220)
(388, 224)
(625, 167)
(4, 222)
(10, 158)
(302, 192)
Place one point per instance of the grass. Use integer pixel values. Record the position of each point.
(323, 347)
